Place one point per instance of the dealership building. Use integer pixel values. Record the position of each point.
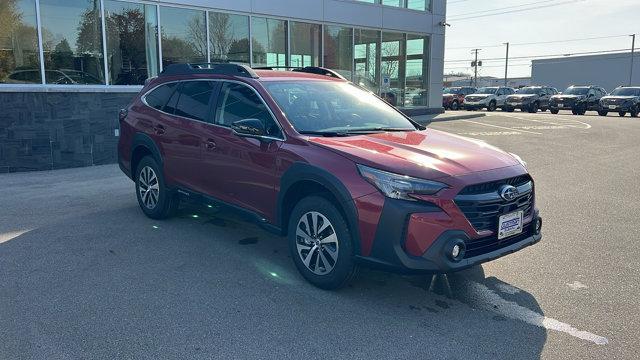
(68, 66)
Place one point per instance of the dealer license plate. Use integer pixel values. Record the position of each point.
(510, 224)
(560, 105)
(612, 107)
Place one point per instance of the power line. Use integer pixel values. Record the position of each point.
(544, 42)
(503, 8)
(548, 55)
(514, 11)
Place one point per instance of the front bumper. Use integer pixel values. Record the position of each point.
(617, 107)
(475, 104)
(418, 237)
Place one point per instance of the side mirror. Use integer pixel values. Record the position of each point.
(249, 127)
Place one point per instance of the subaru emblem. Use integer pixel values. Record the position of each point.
(509, 192)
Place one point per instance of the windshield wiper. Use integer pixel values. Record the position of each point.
(326, 133)
(380, 129)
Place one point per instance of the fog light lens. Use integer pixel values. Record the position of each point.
(455, 251)
(538, 225)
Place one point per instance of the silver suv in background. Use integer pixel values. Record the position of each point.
(490, 98)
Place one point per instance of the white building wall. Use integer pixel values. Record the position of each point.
(608, 71)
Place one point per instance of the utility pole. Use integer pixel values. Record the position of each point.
(633, 46)
(475, 67)
(506, 66)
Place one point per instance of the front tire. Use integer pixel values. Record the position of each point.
(491, 106)
(555, 111)
(533, 108)
(622, 113)
(603, 113)
(321, 244)
(455, 106)
(155, 200)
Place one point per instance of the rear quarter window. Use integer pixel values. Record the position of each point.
(158, 98)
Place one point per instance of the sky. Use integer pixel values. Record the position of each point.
(551, 20)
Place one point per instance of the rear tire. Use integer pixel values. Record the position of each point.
(622, 113)
(155, 200)
(634, 111)
(321, 244)
(533, 108)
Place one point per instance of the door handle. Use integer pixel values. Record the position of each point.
(210, 144)
(159, 129)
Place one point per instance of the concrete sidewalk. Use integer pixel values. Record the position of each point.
(447, 116)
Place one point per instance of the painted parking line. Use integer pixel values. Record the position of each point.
(562, 123)
(502, 127)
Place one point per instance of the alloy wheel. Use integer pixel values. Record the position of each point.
(149, 187)
(317, 243)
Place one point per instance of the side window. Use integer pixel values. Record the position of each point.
(158, 98)
(195, 99)
(500, 92)
(239, 102)
(592, 92)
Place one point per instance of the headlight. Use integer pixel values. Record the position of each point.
(522, 162)
(398, 186)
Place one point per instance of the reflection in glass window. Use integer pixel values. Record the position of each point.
(305, 44)
(229, 37)
(397, 3)
(417, 70)
(132, 42)
(338, 49)
(184, 36)
(367, 59)
(19, 58)
(418, 4)
(72, 41)
(269, 42)
(392, 68)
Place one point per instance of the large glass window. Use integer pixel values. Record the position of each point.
(132, 42)
(338, 49)
(417, 72)
(305, 44)
(72, 41)
(367, 59)
(392, 67)
(396, 3)
(19, 58)
(418, 4)
(184, 35)
(269, 42)
(229, 37)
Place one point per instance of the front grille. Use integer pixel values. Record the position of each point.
(493, 186)
(475, 247)
(474, 98)
(482, 205)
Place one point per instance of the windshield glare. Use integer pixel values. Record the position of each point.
(529, 90)
(487, 90)
(451, 91)
(626, 92)
(576, 91)
(327, 106)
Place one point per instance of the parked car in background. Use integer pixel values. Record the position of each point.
(453, 97)
(348, 178)
(578, 99)
(623, 100)
(530, 98)
(490, 98)
(58, 77)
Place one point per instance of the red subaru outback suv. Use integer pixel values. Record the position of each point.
(346, 177)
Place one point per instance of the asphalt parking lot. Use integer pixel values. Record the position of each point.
(85, 275)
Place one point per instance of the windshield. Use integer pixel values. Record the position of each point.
(626, 92)
(487, 90)
(452, 91)
(576, 91)
(529, 90)
(335, 107)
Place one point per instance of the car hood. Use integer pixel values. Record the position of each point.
(522, 96)
(619, 97)
(448, 95)
(559, 96)
(428, 154)
(480, 94)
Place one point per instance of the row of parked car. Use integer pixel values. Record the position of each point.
(578, 99)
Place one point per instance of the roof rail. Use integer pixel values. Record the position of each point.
(220, 68)
(306, 69)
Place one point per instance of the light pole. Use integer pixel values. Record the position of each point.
(506, 65)
(475, 67)
(633, 46)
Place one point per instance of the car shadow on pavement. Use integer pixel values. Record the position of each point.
(114, 284)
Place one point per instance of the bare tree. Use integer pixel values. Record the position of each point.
(197, 34)
(221, 40)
